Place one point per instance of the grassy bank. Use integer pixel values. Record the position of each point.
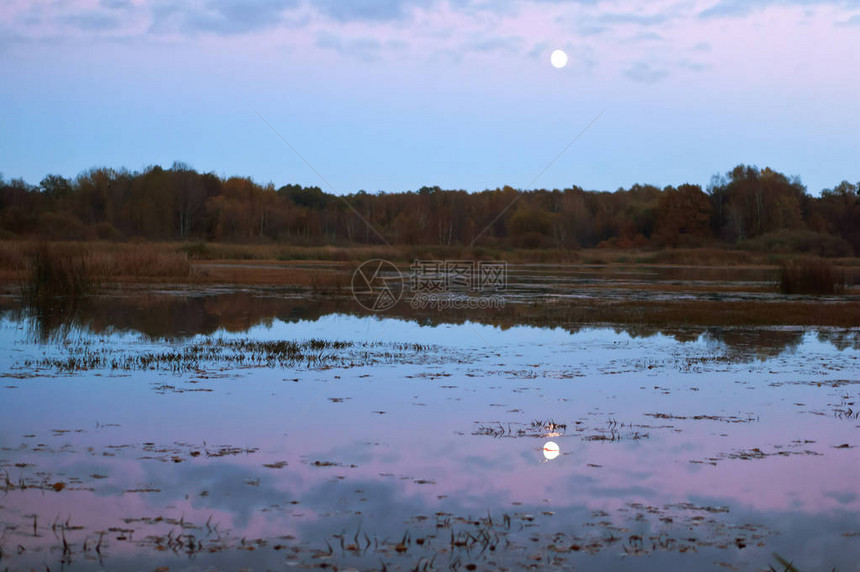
(73, 268)
(70, 267)
(810, 276)
(14, 253)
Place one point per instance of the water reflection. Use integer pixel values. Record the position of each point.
(183, 313)
(551, 450)
(54, 318)
(706, 453)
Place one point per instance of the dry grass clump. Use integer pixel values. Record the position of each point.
(12, 256)
(810, 276)
(74, 270)
(146, 260)
(54, 271)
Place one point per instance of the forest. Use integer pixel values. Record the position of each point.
(748, 207)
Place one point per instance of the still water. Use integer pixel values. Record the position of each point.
(430, 445)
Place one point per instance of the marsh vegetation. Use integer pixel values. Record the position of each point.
(375, 443)
(239, 409)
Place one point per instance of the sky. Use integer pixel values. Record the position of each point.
(394, 95)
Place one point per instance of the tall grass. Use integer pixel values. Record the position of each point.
(74, 271)
(59, 279)
(810, 276)
(12, 256)
(54, 272)
(58, 283)
(147, 260)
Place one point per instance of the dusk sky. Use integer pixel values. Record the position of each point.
(397, 94)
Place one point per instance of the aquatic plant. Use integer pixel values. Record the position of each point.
(54, 272)
(149, 261)
(810, 276)
(314, 353)
(787, 566)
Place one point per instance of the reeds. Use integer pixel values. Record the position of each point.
(69, 269)
(59, 279)
(12, 257)
(810, 276)
(55, 273)
(787, 566)
(242, 353)
(146, 260)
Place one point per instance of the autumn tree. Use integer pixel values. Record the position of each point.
(839, 208)
(683, 216)
(749, 206)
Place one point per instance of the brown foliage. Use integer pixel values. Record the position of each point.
(179, 203)
(810, 276)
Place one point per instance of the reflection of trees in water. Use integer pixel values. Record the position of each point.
(171, 316)
(183, 314)
(739, 344)
(759, 343)
(52, 318)
(840, 339)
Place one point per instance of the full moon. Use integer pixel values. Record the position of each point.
(558, 59)
(551, 450)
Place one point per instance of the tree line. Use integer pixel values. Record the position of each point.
(748, 207)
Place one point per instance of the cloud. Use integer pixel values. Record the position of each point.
(643, 72)
(92, 21)
(219, 16)
(852, 21)
(694, 66)
(368, 10)
(842, 497)
(367, 49)
(507, 5)
(597, 22)
(729, 8)
(538, 49)
(116, 4)
(592, 30)
(510, 44)
(636, 18)
(739, 8)
(647, 37)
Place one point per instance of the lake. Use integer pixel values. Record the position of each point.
(255, 428)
